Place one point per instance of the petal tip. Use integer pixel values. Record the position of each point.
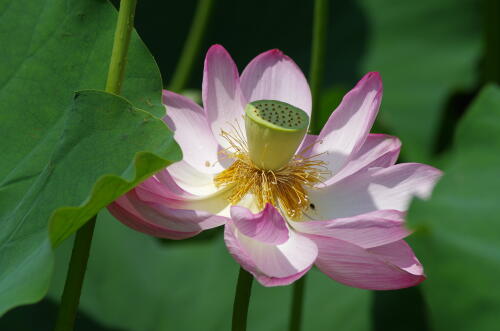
(374, 75)
(217, 56)
(372, 78)
(217, 51)
(276, 52)
(435, 172)
(216, 48)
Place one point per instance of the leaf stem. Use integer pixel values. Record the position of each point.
(317, 66)
(242, 300)
(192, 45)
(83, 239)
(297, 303)
(124, 27)
(74, 280)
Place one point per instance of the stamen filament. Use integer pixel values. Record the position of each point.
(285, 188)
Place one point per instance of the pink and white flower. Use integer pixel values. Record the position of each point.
(352, 225)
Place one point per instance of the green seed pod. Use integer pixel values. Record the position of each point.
(274, 131)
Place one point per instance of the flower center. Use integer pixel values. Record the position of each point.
(266, 165)
(274, 131)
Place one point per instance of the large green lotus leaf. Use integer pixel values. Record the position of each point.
(136, 283)
(106, 148)
(424, 50)
(50, 49)
(457, 235)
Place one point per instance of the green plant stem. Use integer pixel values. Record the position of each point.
(491, 65)
(317, 66)
(297, 303)
(242, 300)
(74, 279)
(83, 239)
(192, 46)
(123, 32)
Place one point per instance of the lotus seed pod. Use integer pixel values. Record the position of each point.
(274, 131)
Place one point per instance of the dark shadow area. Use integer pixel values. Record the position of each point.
(247, 28)
(399, 310)
(454, 109)
(42, 317)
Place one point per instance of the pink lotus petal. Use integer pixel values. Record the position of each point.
(388, 267)
(378, 150)
(374, 189)
(400, 254)
(268, 226)
(222, 97)
(188, 178)
(197, 191)
(274, 76)
(174, 219)
(306, 146)
(189, 123)
(274, 281)
(354, 228)
(133, 221)
(367, 230)
(347, 128)
(271, 264)
(187, 184)
(153, 191)
(161, 221)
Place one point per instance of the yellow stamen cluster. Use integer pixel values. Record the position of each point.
(285, 188)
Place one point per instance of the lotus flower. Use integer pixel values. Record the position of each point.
(287, 200)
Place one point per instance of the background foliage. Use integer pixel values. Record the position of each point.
(429, 54)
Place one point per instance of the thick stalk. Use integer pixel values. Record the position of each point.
(74, 279)
(191, 49)
(318, 53)
(83, 239)
(123, 32)
(242, 300)
(297, 303)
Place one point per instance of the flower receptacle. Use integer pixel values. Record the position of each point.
(274, 131)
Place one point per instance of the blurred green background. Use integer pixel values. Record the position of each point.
(433, 61)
